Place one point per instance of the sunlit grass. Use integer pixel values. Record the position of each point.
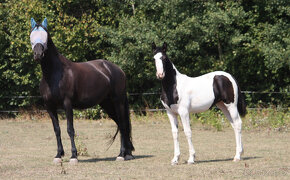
(274, 118)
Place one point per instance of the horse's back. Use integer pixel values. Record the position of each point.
(109, 68)
(92, 81)
(207, 80)
(199, 91)
(114, 74)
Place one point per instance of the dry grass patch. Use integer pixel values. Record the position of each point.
(27, 149)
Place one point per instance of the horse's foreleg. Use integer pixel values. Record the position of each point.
(231, 112)
(174, 127)
(53, 115)
(70, 129)
(184, 115)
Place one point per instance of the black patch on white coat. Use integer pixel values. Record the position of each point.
(223, 89)
(169, 94)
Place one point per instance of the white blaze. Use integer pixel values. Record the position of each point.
(159, 65)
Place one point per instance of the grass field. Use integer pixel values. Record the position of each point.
(27, 149)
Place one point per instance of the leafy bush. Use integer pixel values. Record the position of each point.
(248, 39)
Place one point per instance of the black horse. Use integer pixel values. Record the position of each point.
(69, 85)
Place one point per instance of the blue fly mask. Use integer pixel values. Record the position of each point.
(38, 34)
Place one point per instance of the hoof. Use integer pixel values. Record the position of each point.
(73, 161)
(129, 157)
(57, 160)
(190, 162)
(236, 160)
(120, 158)
(173, 163)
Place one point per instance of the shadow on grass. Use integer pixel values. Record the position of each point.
(113, 158)
(230, 159)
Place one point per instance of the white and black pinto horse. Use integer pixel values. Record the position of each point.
(182, 94)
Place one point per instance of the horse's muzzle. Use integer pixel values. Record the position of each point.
(38, 52)
(38, 57)
(160, 76)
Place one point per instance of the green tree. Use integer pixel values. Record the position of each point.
(249, 39)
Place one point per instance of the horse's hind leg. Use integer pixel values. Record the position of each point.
(53, 115)
(122, 113)
(117, 111)
(107, 105)
(231, 112)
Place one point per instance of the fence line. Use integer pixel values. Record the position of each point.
(257, 92)
(131, 94)
(18, 97)
(147, 93)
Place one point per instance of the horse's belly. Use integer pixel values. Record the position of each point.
(85, 103)
(197, 108)
(201, 104)
(89, 100)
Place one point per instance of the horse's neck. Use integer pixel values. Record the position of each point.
(177, 72)
(169, 93)
(51, 65)
(169, 81)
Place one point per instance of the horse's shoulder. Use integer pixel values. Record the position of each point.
(42, 84)
(44, 89)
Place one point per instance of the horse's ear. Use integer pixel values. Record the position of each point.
(33, 23)
(153, 46)
(44, 23)
(164, 47)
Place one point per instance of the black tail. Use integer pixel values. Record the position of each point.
(241, 103)
(127, 124)
(111, 141)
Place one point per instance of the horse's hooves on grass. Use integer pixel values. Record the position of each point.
(126, 158)
(73, 161)
(129, 157)
(190, 162)
(120, 158)
(174, 163)
(236, 160)
(57, 160)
